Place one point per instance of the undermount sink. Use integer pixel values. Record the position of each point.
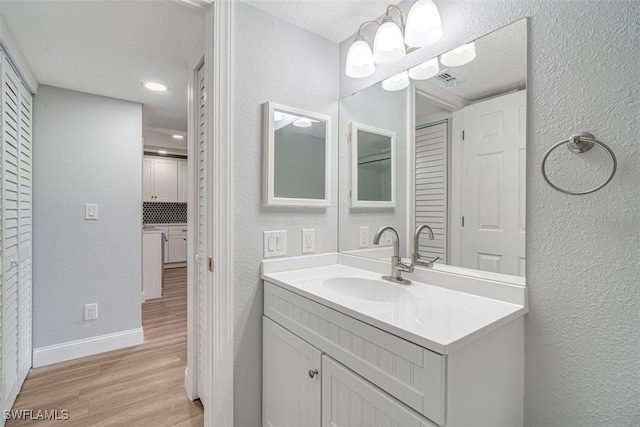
(367, 289)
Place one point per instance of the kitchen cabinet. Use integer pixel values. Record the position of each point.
(177, 243)
(182, 181)
(291, 385)
(160, 179)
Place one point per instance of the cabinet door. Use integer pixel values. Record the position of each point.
(147, 180)
(290, 396)
(349, 400)
(177, 248)
(182, 181)
(165, 180)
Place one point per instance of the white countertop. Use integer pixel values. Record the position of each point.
(435, 317)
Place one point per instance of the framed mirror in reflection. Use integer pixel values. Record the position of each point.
(297, 146)
(372, 166)
(461, 142)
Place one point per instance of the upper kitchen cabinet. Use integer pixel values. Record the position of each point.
(182, 181)
(160, 180)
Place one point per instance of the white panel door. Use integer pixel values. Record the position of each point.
(165, 180)
(348, 400)
(493, 174)
(431, 189)
(290, 379)
(201, 231)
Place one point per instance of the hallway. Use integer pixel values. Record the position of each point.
(136, 386)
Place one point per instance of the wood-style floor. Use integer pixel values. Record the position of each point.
(136, 386)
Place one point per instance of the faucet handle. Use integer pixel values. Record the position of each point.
(425, 263)
(407, 268)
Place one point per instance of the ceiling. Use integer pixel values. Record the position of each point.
(109, 48)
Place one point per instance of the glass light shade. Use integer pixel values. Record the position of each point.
(397, 82)
(302, 122)
(388, 44)
(360, 59)
(459, 56)
(426, 70)
(423, 27)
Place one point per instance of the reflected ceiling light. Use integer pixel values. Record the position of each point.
(162, 152)
(397, 82)
(388, 44)
(277, 116)
(426, 70)
(155, 86)
(424, 26)
(302, 122)
(176, 136)
(459, 56)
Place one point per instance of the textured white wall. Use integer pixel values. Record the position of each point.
(272, 61)
(582, 340)
(386, 110)
(87, 149)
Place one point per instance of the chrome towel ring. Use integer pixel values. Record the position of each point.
(580, 143)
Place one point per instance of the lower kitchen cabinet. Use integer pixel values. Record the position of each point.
(291, 379)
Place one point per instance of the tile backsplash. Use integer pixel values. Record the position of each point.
(164, 213)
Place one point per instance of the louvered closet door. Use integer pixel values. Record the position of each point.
(431, 189)
(201, 233)
(16, 301)
(24, 224)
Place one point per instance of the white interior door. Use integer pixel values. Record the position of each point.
(493, 185)
(201, 236)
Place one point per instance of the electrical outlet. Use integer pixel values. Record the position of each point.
(91, 311)
(363, 237)
(308, 240)
(275, 243)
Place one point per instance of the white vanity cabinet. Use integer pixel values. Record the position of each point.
(372, 377)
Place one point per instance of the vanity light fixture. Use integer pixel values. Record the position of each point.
(459, 56)
(162, 152)
(426, 70)
(176, 136)
(302, 122)
(423, 28)
(397, 82)
(155, 86)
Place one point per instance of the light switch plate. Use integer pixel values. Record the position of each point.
(308, 240)
(91, 211)
(275, 243)
(363, 237)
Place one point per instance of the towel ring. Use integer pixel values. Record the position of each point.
(580, 143)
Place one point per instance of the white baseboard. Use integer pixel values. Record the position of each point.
(86, 347)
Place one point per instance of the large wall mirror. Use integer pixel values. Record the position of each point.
(297, 147)
(460, 158)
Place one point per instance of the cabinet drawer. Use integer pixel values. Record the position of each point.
(177, 230)
(410, 373)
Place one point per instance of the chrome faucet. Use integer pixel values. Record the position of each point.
(415, 258)
(397, 267)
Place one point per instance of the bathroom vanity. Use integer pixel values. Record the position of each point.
(342, 347)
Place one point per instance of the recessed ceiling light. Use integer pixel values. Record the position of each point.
(162, 152)
(178, 136)
(158, 87)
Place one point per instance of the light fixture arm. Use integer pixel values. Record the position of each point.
(393, 6)
(364, 24)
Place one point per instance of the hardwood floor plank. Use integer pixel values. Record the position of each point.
(136, 386)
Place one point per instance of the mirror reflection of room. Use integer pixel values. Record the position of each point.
(461, 159)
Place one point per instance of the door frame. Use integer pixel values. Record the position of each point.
(216, 53)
